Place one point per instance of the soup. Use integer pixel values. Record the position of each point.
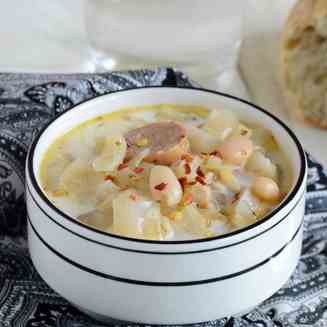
(166, 172)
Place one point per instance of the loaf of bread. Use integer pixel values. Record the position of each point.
(304, 61)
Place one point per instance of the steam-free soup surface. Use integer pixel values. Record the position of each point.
(166, 172)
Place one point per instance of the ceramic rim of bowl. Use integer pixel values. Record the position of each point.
(291, 195)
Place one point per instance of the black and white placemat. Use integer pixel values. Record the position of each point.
(27, 102)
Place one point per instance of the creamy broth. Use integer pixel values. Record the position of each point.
(166, 172)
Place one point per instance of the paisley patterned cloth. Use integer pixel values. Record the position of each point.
(27, 102)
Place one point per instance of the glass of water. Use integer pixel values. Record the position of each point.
(200, 37)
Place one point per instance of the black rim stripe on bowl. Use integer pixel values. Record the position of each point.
(157, 252)
(158, 284)
(228, 235)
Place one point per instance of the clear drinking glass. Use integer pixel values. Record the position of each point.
(200, 37)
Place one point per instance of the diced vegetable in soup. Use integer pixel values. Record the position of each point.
(166, 172)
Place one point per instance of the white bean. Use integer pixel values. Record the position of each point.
(266, 189)
(236, 150)
(164, 186)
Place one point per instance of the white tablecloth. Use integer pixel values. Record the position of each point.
(48, 36)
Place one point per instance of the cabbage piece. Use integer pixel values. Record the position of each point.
(97, 219)
(242, 210)
(105, 194)
(73, 206)
(193, 221)
(135, 178)
(80, 181)
(222, 123)
(228, 178)
(152, 224)
(213, 163)
(201, 195)
(112, 154)
(264, 139)
(129, 209)
(242, 130)
(214, 215)
(136, 216)
(137, 160)
(78, 145)
(259, 164)
(105, 128)
(53, 170)
(167, 229)
(202, 141)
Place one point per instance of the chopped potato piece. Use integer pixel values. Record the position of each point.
(164, 186)
(187, 169)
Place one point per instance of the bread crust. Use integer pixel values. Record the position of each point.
(305, 15)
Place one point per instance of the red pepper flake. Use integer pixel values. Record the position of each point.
(200, 180)
(161, 186)
(188, 198)
(187, 157)
(122, 166)
(187, 169)
(133, 197)
(204, 156)
(237, 196)
(109, 178)
(183, 182)
(217, 154)
(138, 170)
(200, 172)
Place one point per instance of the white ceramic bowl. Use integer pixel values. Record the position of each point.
(159, 282)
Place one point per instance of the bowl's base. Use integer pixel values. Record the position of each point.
(102, 318)
(113, 321)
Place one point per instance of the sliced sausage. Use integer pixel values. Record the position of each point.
(167, 142)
